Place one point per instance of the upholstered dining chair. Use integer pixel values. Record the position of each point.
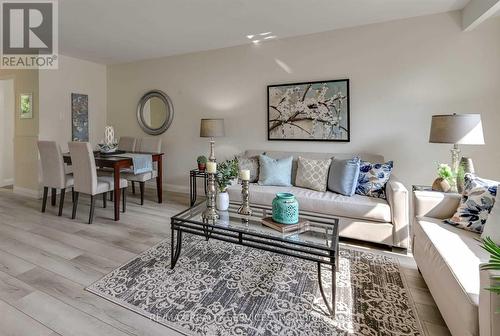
(87, 181)
(53, 173)
(149, 145)
(127, 143)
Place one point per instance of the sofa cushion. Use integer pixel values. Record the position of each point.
(250, 163)
(328, 203)
(275, 172)
(343, 176)
(373, 177)
(476, 203)
(312, 174)
(449, 259)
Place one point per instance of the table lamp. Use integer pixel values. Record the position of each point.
(457, 129)
(212, 128)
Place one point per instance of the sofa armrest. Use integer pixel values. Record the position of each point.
(435, 204)
(398, 199)
(489, 305)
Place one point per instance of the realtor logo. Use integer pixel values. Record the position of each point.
(29, 34)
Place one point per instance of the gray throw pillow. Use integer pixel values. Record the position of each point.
(343, 176)
(312, 174)
(250, 163)
(275, 172)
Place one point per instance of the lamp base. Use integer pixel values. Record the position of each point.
(211, 156)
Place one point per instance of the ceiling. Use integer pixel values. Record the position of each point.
(117, 31)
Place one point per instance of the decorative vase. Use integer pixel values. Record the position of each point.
(285, 208)
(222, 201)
(440, 184)
(466, 166)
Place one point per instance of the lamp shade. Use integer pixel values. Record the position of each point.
(464, 129)
(211, 128)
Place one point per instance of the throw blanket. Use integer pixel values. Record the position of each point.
(143, 163)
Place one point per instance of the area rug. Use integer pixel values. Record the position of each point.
(218, 288)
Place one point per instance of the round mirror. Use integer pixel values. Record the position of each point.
(155, 112)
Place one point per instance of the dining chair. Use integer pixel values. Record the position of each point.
(53, 173)
(127, 143)
(149, 145)
(87, 181)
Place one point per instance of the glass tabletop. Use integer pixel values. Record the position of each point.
(320, 232)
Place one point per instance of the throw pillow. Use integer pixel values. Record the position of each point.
(275, 172)
(250, 163)
(312, 174)
(492, 226)
(343, 176)
(373, 177)
(476, 203)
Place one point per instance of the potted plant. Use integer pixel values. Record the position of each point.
(445, 180)
(227, 171)
(494, 263)
(202, 163)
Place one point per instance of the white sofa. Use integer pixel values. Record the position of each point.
(449, 260)
(360, 217)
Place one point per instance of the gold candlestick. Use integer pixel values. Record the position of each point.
(245, 209)
(210, 214)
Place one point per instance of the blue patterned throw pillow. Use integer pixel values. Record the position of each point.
(372, 178)
(477, 201)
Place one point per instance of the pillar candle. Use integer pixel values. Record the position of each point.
(211, 167)
(245, 174)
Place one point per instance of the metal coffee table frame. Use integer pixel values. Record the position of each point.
(327, 255)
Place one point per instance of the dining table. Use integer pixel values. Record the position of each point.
(117, 163)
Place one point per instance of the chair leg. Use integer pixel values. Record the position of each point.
(73, 194)
(111, 195)
(133, 187)
(53, 193)
(124, 199)
(61, 201)
(141, 186)
(104, 199)
(75, 204)
(44, 199)
(92, 207)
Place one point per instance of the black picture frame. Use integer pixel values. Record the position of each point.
(344, 127)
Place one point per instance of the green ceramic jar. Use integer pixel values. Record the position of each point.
(285, 208)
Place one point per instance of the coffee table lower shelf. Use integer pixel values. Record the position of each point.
(321, 256)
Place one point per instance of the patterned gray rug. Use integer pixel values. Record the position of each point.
(219, 288)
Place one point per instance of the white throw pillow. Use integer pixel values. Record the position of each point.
(492, 226)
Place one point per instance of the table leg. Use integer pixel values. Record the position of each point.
(159, 180)
(175, 256)
(191, 200)
(330, 307)
(116, 200)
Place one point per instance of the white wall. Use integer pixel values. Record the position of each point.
(401, 73)
(7, 132)
(73, 76)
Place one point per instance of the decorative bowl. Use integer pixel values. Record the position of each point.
(106, 149)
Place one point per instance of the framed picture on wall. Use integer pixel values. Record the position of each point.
(317, 111)
(26, 105)
(79, 117)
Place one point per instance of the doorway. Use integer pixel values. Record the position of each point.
(7, 115)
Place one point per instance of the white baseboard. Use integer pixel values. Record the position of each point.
(27, 192)
(176, 188)
(6, 182)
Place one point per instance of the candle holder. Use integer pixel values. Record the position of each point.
(210, 214)
(245, 209)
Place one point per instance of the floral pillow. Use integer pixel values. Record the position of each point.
(373, 177)
(477, 201)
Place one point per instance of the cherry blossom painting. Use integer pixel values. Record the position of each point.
(317, 111)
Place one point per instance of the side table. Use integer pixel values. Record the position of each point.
(193, 175)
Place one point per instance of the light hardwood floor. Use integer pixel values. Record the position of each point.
(46, 262)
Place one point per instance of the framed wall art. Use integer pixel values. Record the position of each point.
(79, 117)
(317, 111)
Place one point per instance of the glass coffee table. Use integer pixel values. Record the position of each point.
(316, 242)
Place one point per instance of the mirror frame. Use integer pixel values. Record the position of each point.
(170, 112)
